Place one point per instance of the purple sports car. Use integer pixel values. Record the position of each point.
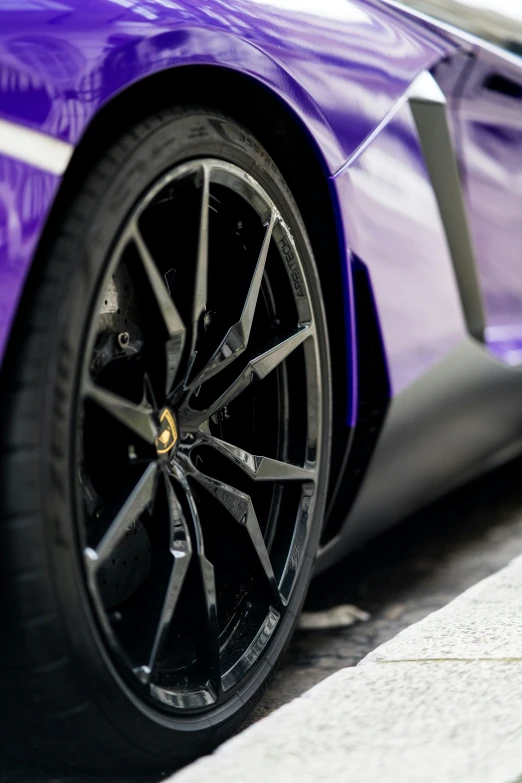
(260, 298)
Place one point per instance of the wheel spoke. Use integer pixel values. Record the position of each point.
(181, 549)
(169, 312)
(260, 468)
(211, 634)
(199, 305)
(139, 499)
(236, 339)
(256, 369)
(240, 507)
(137, 417)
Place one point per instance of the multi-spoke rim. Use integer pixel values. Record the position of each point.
(192, 543)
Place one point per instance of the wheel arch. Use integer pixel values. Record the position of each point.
(288, 141)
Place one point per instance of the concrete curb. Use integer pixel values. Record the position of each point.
(442, 701)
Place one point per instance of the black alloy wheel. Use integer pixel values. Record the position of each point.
(186, 428)
(195, 430)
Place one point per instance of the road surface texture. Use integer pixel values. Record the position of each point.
(414, 569)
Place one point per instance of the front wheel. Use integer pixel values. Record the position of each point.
(162, 511)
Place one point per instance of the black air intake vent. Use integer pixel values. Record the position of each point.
(372, 404)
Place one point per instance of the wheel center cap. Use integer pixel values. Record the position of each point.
(168, 434)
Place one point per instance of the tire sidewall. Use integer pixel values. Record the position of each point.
(125, 174)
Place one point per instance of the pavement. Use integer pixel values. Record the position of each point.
(442, 701)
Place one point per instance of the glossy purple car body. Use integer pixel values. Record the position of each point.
(153, 564)
(417, 129)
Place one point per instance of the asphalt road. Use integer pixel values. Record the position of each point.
(404, 575)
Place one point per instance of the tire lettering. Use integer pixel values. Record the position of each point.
(291, 263)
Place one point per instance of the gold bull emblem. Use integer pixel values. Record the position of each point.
(168, 436)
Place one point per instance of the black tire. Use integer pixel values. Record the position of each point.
(65, 706)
